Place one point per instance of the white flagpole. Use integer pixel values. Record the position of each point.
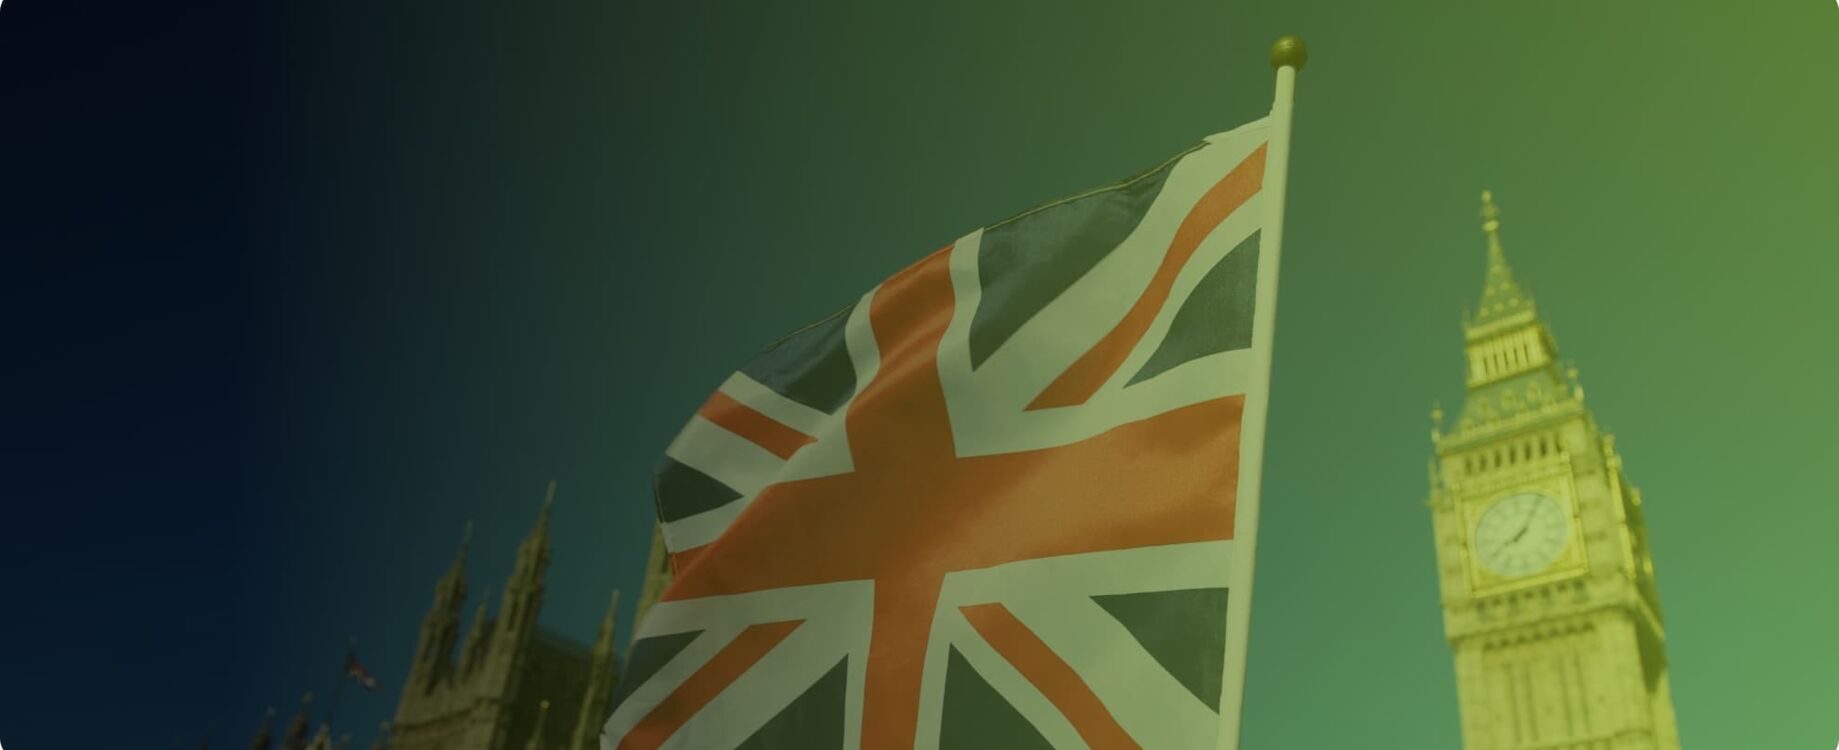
(1288, 56)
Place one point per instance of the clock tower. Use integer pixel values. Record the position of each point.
(1548, 589)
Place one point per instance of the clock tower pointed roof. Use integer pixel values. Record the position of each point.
(1514, 370)
(1503, 301)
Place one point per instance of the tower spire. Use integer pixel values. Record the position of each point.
(440, 629)
(518, 607)
(455, 579)
(322, 740)
(1501, 295)
(466, 543)
(264, 736)
(296, 737)
(603, 673)
(469, 654)
(533, 553)
(542, 516)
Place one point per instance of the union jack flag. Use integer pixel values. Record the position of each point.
(355, 670)
(990, 504)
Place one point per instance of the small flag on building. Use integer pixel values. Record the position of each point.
(1006, 499)
(355, 670)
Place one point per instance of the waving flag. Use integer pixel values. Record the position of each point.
(355, 670)
(1003, 500)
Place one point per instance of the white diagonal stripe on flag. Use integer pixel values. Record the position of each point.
(1034, 590)
(735, 461)
(1221, 241)
(648, 694)
(766, 688)
(760, 398)
(988, 405)
(1147, 701)
(828, 455)
(951, 629)
(837, 621)
(1066, 327)
(702, 528)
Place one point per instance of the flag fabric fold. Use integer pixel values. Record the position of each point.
(992, 503)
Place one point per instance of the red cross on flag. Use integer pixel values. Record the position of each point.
(1006, 499)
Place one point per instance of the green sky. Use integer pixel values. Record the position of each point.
(683, 185)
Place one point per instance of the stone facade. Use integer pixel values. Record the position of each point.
(1548, 588)
(511, 684)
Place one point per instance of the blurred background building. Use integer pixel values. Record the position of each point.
(512, 683)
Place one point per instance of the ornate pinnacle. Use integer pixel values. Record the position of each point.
(542, 516)
(466, 543)
(455, 579)
(1501, 295)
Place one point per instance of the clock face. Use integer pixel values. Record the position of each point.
(1521, 534)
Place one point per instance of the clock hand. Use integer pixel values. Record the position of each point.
(1527, 524)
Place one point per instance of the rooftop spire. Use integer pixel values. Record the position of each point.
(264, 736)
(603, 673)
(542, 517)
(296, 738)
(524, 591)
(537, 544)
(459, 557)
(322, 740)
(453, 583)
(1501, 296)
(469, 655)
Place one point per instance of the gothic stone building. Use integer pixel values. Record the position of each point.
(1548, 588)
(512, 685)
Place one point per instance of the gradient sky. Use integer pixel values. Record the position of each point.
(460, 249)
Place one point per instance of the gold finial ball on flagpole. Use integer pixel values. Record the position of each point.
(1289, 51)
